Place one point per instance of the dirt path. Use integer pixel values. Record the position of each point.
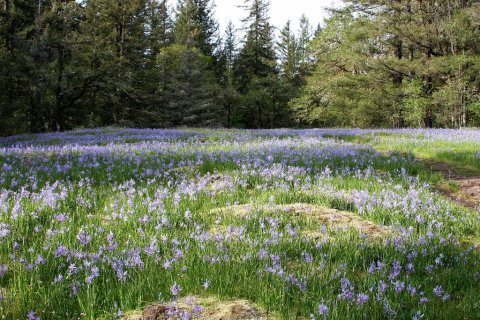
(463, 189)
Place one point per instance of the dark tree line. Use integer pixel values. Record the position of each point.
(68, 64)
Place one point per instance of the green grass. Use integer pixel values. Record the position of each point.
(463, 157)
(265, 256)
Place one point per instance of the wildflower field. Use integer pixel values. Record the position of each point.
(219, 224)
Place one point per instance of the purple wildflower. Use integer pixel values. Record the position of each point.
(412, 290)
(362, 298)
(197, 310)
(83, 237)
(3, 269)
(175, 289)
(4, 230)
(61, 251)
(438, 291)
(32, 315)
(61, 217)
(399, 286)
(206, 284)
(40, 260)
(323, 310)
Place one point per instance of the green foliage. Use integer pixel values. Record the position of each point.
(188, 90)
(401, 63)
(416, 103)
(195, 25)
(256, 72)
(70, 64)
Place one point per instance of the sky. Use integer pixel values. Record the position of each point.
(280, 11)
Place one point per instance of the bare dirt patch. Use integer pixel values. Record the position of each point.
(460, 188)
(202, 308)
(328, 217)
(336, 218)
(217, 182)
(469, 193)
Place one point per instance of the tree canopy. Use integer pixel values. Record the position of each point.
(144, 63)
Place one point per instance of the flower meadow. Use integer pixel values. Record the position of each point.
(97, 223)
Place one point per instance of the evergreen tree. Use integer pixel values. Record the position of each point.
(257, 57)
(304, 53)
(288, 53)
(394, 60)
(339, 93)
(160, 26)
(255, 66)
(118, 29)
(47, 65)
(17, 18)
(188, 89)
(228, 94)
(230, 49)
(70, 63)
(151, 110)
(196, 27)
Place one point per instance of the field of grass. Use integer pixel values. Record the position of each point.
(460, 149)
(304, 224)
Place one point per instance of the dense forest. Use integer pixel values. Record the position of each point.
(68, 64)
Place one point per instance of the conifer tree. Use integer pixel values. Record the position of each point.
(159, 25)
(188, 90)
(195, 25)
(228, 56)
(409, 63)
(256, 66)
(288, 48)
(118, 28)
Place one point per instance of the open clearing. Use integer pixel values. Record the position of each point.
(235, 225)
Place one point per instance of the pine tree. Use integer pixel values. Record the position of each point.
(151, 111)
(196, 27)
(57, 66)
(408, 62)
(160, 26)
(257, 57)
(17, 18)
(228, 56)
(255, 66)
(230, 45)
(304, 53)
(188, 90)
(118, 28)
(288, 53)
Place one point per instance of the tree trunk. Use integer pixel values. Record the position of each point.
(59, 124)
(10, 23)
(398, 80)
(428, 90)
